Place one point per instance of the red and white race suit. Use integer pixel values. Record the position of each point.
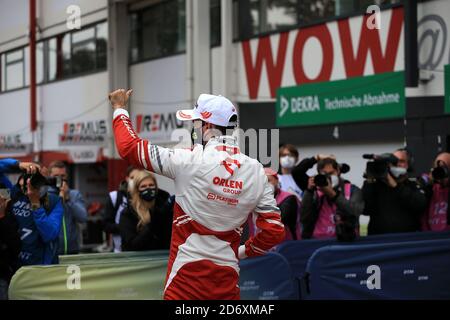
(216, 187)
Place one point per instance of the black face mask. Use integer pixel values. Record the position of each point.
(148, 194)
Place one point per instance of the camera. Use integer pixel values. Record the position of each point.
(37, 180)
(378, 168)
(441, 172)
(321, 180)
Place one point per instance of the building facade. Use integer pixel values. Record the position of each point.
(277, 60)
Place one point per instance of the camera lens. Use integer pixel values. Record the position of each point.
(439, 173)
(321, 180)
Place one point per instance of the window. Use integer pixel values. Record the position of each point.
(83, 51)
(215, 16)
(158, 30)
(256, 17)
(262, 16)
(62, 56)
(14, 70)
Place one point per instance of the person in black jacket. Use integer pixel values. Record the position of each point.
(394, 203)
(146, 223)
(117, 201)
(9, 243)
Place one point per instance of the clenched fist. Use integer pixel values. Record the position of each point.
(119, 98)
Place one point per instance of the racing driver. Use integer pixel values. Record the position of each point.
(216, 187)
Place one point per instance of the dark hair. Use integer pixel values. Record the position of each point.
(129, 169)
(291, 148)
(409, 157)
(327, 161)
(223, 130)
(57, 164)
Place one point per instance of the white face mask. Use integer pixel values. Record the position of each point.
(334, 181)
(397, 171)
(287, 162)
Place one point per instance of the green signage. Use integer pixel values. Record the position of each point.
(447, 88)
(379, 96)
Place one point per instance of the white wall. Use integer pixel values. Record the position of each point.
(51, 18)
(74, 100)
(13, 22)
(159, 90)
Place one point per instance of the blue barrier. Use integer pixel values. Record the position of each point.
(298, 252)
(407, 270)
(268, 277)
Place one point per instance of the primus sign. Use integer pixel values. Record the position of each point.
(356, 99)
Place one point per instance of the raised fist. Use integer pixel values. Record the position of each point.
(119, 98)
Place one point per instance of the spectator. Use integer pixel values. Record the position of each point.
(332, 208)
(288, 159)
(9, 242)
(394, 203)
(38, 214)
(437, 186)
(289, 206)
(116, 203)
(74, 209)
(146, 223)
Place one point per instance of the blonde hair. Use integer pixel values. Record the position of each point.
(142, 207)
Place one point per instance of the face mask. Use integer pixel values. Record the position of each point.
(148, 194)
(397, 171)
(287, 162)
(334, 181)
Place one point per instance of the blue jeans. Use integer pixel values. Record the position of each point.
(3, 290)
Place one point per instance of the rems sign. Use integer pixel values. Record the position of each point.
(158, 126)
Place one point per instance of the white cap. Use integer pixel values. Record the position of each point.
(213, 109)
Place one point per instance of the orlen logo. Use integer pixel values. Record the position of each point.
(228, 183)
(157, 122)
(206, 114)
(229, 186)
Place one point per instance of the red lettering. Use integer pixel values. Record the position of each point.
(264, 55)
(155, 118)
(138, 123)
(322, 33)
(369, 40)
(238, 185)
(222, 182)
(216, 180)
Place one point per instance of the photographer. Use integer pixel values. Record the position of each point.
(9, 242)
(331, 206)
(437, 186)
(74, 209)
(393, 202)
(38, 214)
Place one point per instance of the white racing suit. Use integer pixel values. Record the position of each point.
(216, 188)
